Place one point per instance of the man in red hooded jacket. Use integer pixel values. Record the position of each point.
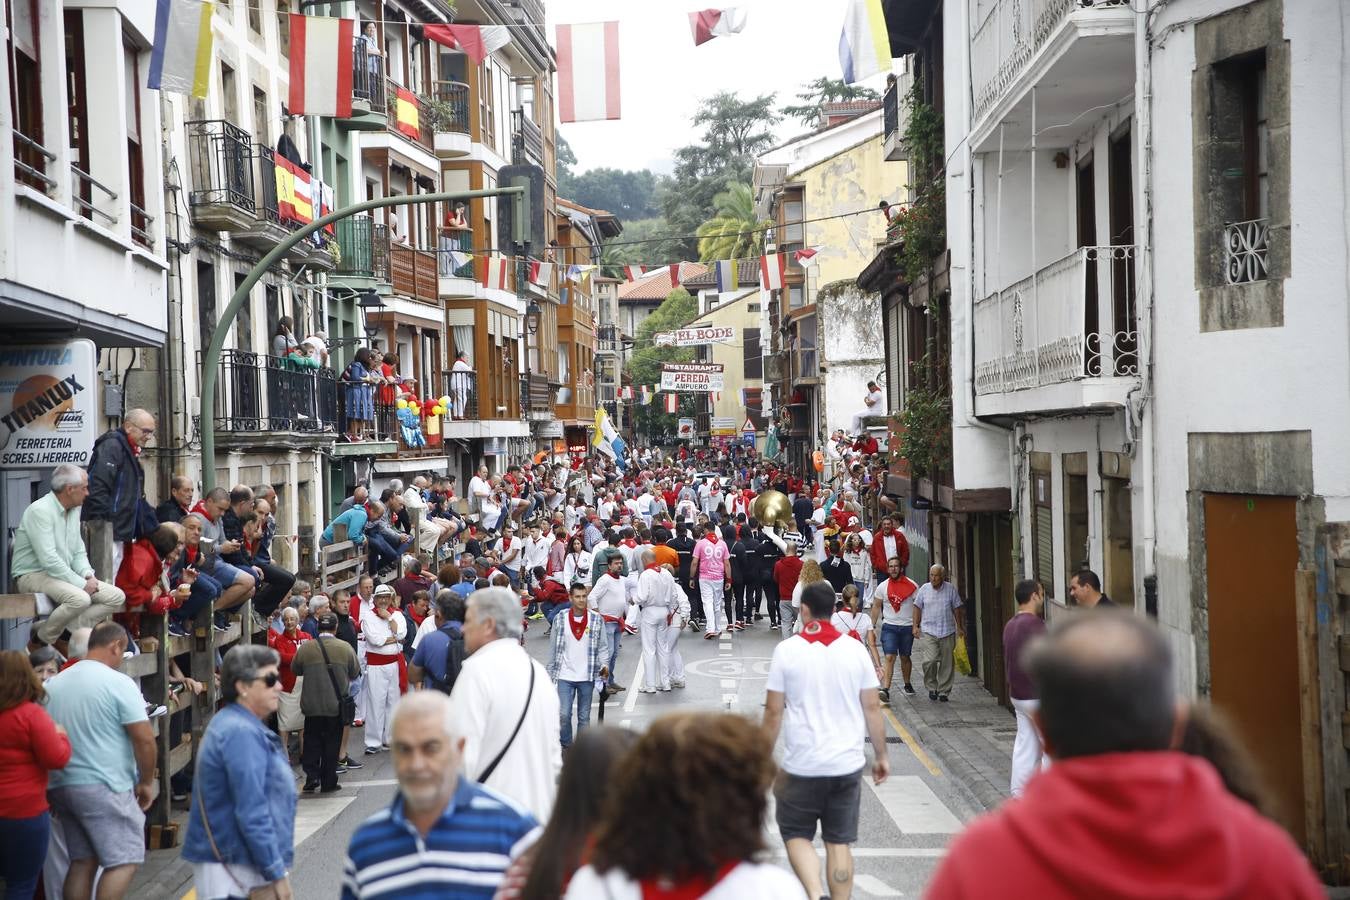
(1119, 814)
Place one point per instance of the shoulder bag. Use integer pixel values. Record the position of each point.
(260, 892)
(346, 702)
(484, 775)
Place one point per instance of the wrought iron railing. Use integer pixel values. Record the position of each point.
(30, 162)
(1246, 250)
(379, 251)
(422, 129)
(141, 221)
(1038, 331)
(450, 107)
(265, 165)
(219, 160)
(527, 140)
(368, 77)
(462, 389)
(258, 393)
(364, 248)
(1004, 42)
(890, 111)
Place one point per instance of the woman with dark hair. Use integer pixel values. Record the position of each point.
(283, 339)
(543, 871)
(241, 825)
(1209, 735)
(576, 563)
(664, 834)
(360, 393)
(31, 745)
(46, 662)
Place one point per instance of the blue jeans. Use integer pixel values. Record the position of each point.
(614, 630)
(382, 552)
(205, 591)
(551, 610)
(23, 849)
(567, 690)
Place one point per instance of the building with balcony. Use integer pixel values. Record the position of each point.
(809, 187)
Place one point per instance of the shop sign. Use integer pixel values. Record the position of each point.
(551, 429)
(47, 404)
(691, 377)
(685, 430)
(695, 337)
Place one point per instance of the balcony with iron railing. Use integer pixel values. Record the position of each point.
(891, 114)
(527, 140)
(456, 280)
(410, 115)
(450, 119)
(220, 164)
(364, 247)
(1076, 52)
(258, 395)
(1064, 338)
(369, 107)
(462, 388)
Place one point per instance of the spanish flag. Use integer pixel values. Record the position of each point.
(405, 113)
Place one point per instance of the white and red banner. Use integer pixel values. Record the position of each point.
(633, 273)
(673, 406)
(771, 269)
(477, 41)
(805, 256)
(588, 72)
(707, 24)
(540, 272)
(494, 272)
(321, 66)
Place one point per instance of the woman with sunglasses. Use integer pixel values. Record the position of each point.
(241, 827)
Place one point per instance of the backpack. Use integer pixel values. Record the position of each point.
(454, 661)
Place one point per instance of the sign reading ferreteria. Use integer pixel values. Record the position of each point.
(47, 413)
(691, 377)
(695, 337)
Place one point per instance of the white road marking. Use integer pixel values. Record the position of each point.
(728, 699)
(312, 815)
(914, 807)
(634, 683)
(882, 852)
(373, 782)
(728, 684)
(870, 884)
(626, 723)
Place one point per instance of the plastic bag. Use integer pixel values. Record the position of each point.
(961, 657)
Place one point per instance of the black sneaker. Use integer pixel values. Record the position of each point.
(885, 695)
(310, 787)
(932, 695)
(340, 769)
(330, 790)
(909, 688)
(942, 698)
(350, 763)
(371, 751)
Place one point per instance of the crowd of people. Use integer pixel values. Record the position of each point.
(506, 789)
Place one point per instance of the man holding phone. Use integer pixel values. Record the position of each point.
(236, 584)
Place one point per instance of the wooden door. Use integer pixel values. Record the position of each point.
(1251, 552)
(1087, 237)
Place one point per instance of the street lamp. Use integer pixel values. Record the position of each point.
(532, 313)
(370, 304)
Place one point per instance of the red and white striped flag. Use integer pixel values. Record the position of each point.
(494, 272)
(588, 72)
(672, 403)
(675, 274)
(540, 272)
(627, 392)
(709, 23)
(633, 273)
(477, 41)
(805, 256)
(321, 66)
(771, 271)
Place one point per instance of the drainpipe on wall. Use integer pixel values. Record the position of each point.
(1140, 412)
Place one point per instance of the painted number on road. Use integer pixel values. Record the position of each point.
(745, 667)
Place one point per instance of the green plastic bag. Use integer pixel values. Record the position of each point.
(961, 657)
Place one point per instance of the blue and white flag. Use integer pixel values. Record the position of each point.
(726, 275)
(180, 60)
(864, 44)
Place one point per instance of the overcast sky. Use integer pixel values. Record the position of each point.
(663, 75)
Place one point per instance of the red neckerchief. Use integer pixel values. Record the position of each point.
(896, 601)
(689, 889)
(578, 627)
(614, 575)
(820, 632)
(629, 543)
(190, 550)
(506, 543)
(711, 535)
(650, 566)
(135, 448)
(853, 632)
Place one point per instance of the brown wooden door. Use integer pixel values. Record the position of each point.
(1251, 557)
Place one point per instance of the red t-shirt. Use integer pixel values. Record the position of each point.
(30, 747)
(786, 572)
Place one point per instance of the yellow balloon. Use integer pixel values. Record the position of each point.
(445, 401)
(401, 403)
(438, 410)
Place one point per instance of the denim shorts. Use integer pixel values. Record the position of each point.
(896, 639)
(225, 574)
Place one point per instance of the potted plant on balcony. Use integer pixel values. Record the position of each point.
(921, 227)
(925, 437)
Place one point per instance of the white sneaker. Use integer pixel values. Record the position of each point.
(665, 687)
(646, 690)
(676, 682)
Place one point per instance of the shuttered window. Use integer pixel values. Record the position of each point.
(1042, 532)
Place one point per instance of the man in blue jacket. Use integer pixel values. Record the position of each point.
(117, 483)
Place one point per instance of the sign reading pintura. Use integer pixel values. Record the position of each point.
(47, 413)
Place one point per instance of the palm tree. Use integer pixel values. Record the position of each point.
(734, 232)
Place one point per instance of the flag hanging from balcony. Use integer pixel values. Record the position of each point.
(459, 259)
(406, 114)
(541, 273)
(675, 275)
(672, 403)
(709, 23)
(805, 256)
(477, 41)
(326, 203)
(771, 271)
(180, 60)
(646, 395)
(627, 392)
(295, 201)
(726, 275)
(864, 45)
(633, 273)
(588, 72)
(321, 66)
(494, 272)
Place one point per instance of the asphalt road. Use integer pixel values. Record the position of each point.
(905, 823)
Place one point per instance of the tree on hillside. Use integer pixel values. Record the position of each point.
(825, 90)
(627, 194)
(735, 231)
(566, 165)
(644, 366)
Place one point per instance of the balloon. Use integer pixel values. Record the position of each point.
(818, 461)
(445, 401)
(438, 410)
(401, 403)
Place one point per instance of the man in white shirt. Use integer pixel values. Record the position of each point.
(577, 660)
(872, 406)
(822, 695)
(609, 597)
(677, 618)
(431, 533)
(654, 598)
(534, 548)
(511, 551)
(491, 693)
(893, 617)
(479, 491)
(383, 629)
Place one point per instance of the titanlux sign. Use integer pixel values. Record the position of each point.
(691, 377)
(47, 414)
(695, 337)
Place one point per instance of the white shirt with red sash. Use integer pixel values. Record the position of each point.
(896, 597)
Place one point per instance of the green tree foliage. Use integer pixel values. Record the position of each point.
(825, 90)
(735, 231)
(641, 243)
(629, 195)
(566, 164)
(644, 366)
